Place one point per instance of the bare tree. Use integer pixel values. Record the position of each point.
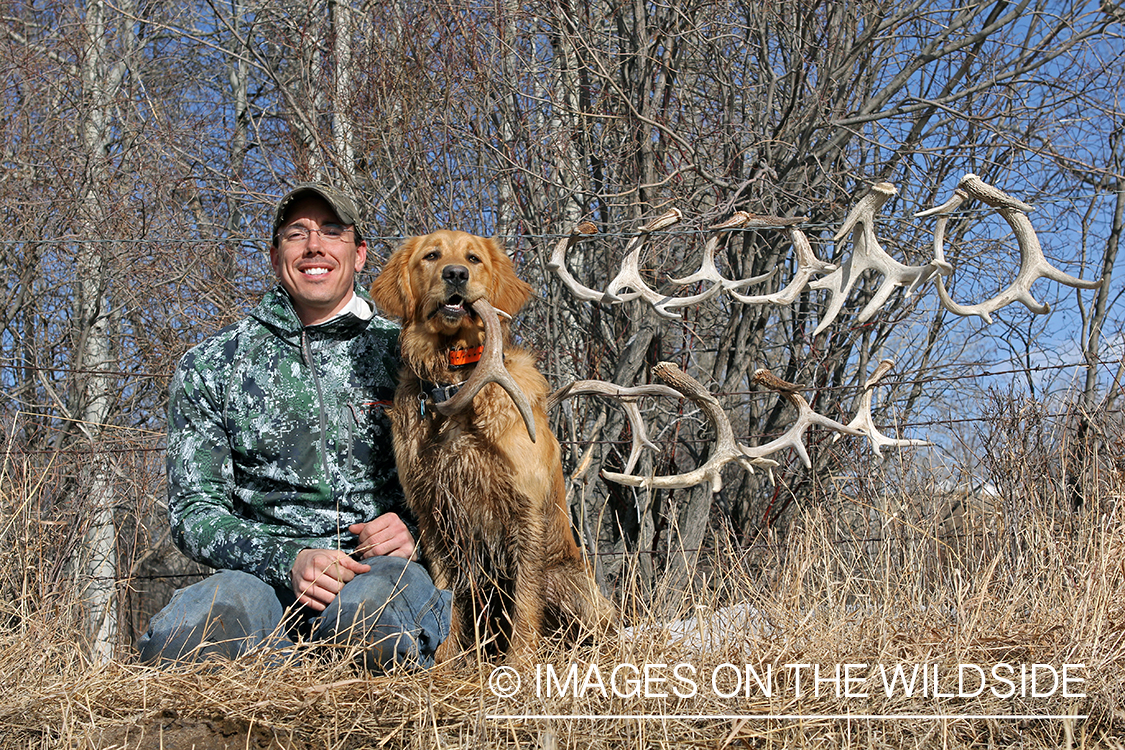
(779, 110)
(137, 210)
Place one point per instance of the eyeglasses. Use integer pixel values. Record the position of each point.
(296, 233)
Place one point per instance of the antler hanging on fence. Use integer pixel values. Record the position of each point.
(807, 265)
(865, 422)
(1033, 264)
(867, 255)
(708, 271)
(557, 263)
(628, 398)
(629, 275)
(806, 417)
(726, 449)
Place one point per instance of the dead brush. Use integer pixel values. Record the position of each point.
(821, 608)
(1030, 585)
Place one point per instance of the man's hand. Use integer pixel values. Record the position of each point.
(319, 574)
(386, 535)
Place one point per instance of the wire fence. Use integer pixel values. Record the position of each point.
(931, 375)
(148, 442)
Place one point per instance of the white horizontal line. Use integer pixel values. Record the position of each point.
(791, 717)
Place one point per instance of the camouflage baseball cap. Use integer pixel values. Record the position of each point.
(345, 208)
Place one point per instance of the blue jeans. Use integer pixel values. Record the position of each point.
(393, 613)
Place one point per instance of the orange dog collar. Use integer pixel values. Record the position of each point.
(463, 357)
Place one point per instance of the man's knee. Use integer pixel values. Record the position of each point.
(393, 612)
(390, 589)
(389, 577)
(223, 616)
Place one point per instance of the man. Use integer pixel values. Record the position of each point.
(281, 468)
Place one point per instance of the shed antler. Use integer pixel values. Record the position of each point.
(490, 369)
(707, 269)
(867, 255)
(865, 423)
(557, 263)
(726, 449)
(807, 265)
(628, 398)
(806, 417)
(1033, 264)
(629, 277)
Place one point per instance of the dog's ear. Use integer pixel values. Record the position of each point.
(509, 292)
(391, 289)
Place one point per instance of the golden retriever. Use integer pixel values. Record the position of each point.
(489, 498)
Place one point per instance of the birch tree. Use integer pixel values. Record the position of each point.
(101, 74)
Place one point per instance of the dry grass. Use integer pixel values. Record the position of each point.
(1020, 584)
(1058, 603)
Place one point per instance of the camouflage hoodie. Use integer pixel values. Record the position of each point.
(278, 441)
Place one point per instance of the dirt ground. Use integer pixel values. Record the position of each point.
(170, 732)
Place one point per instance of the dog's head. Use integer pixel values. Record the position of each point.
(432, 281)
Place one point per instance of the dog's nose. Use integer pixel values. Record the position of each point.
(455, 275)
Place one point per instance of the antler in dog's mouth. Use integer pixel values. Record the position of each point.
(490, 369)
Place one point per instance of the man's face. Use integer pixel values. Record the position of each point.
(315, 262)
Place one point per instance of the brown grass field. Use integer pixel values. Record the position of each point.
(1018, 586)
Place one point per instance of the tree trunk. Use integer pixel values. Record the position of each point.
(343, 129)
(94, 362)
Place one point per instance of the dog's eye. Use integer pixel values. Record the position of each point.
(474, 259)
(432, 255)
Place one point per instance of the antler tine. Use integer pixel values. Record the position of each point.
(628, 398)
(726, 448)
(1033, 264)
(807, 265)
(557, 263)
(865, 423)
(709, 272)
(629, 277)
(884, 366)
(867, 255)
(490, 369)
(806, 417)
(942, 212)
